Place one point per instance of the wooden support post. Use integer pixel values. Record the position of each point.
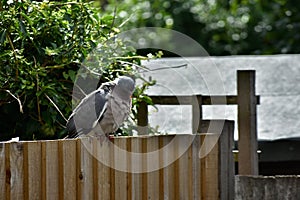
(142, 118)
(217, 167)
(196, 113)
(247, 127)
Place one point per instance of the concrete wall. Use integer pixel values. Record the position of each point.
(267, 187)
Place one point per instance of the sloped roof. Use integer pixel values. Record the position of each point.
(277, 82)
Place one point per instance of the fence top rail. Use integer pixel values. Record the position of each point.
(112, 138)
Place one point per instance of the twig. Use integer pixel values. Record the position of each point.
(56, 107)
(37, 97)
(130, 57)
(15, 54)
(20, 104)
(91, 71)
(133, 64)
(114, 18)
(127, 20)
(80, 89)
(171, 67)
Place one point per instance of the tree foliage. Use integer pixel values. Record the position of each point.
(222, 27)
(42, 46)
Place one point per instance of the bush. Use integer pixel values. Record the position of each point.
(41, 47)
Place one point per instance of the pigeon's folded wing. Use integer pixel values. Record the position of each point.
(87, 114)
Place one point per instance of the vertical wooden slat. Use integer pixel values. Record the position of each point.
(226, 163)
(129, 167)
(185, 172)
(176, 184)
(136, 164)
(69, 171)
(43, 170)
(60, 172)
(52, 170)
(79, 175)
(161, 169)
(120, 163)
(153, 163)
(247, 127)
(34, 170)
(210, 170)
(103, 158)
(87, 169)
(95, 167)
(16, 168)
(112, 171)
(26, 171)
(169, 170)
(2, 171)
(7, 171)
(144, 167)
(196, 168)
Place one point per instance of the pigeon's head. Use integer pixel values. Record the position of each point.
(125, 86)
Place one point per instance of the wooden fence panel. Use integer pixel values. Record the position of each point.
(88, 168)
(2, 171)
(136, 179)
(153, 176)
(69, 171)
(184, 173)
(34, 170)
(52, 169)
(120, 160)
(16, 171)
(103, 170)
(196, 169)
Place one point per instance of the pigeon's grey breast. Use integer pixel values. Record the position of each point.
(116, 113)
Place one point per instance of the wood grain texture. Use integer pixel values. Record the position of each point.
(16, 168)
(69, 169)
(120, 161)
(2, 171)
(87, 168)
(34, 170)
(52, 170)
(247, 123)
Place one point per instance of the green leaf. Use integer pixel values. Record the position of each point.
(148, 100)
(22, 27)
(27, 18)
(51, 52)
(65, 75)
(72, 75)
(2, 36)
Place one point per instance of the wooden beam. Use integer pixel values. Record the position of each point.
(196, 114)
(206, 100)
(247, 127)
(142, 118)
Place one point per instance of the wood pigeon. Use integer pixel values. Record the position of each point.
(103, 110)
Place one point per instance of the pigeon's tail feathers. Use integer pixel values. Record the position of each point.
(71, 128)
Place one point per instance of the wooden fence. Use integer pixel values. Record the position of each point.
(70, 169)
(246, 101)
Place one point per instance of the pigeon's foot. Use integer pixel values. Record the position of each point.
(104, 138)
(109, 137)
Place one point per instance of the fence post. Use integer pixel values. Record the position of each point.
(142, 118)
(247, 127)
(196, 113)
